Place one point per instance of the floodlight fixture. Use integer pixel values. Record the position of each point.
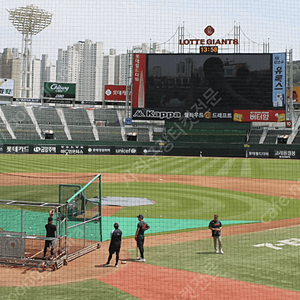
(28, 20)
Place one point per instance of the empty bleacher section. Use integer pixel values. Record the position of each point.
(142, 133)
(46, 115)
(58, 131)
(76, 116)
(20, 122)
(254, 136)
(297, 138)
(81, 133)
(109, 133)
(49, 120)
(273, 134)
(109, 117)
(26, 132)
(16, 115)
(4, 134)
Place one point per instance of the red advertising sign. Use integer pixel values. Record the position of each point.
(259, 116)
(115, 93)
(139, 75)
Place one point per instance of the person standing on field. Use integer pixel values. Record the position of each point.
(50, 232)
(215, 226)
(139, 235)
(115, 244)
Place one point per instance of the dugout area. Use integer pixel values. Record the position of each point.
(77, 218)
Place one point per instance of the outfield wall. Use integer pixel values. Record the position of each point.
(166, 147)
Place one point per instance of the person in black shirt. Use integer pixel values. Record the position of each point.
(216, 226)
(50, 228)
(115, 244)
(139, 235)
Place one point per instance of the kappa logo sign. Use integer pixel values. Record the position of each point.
(161, 115)
(139, 114)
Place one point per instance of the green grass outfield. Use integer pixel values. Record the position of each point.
(176, 202)
(232, 167)
(241, 260)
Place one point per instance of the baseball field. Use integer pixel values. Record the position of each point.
(257, 200)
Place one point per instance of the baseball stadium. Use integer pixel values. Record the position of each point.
(168, 171)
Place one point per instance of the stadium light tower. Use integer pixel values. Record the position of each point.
(28, 20)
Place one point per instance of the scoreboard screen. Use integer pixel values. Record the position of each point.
(209, 85)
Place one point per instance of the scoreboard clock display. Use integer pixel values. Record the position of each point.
(208, 49)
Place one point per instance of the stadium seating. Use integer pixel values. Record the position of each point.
(109, 133)
(81, 133)
(58, 131)
(76, 116)
(26, 132)
(46, 115)
(4, 134)
(142, 133)
(273, 134)
(16, 115)
(255, 135)
(108, 116)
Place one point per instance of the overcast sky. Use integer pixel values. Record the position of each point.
(122, 24)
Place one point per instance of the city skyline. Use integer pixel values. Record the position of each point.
(123, 25)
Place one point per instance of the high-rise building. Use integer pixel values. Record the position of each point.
(82, 64)
(122, 69)
(110, 67)
(48, 72)
(35, 78)
(10, 67)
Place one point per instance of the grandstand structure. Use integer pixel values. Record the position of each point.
(27, 122)
(23, 122)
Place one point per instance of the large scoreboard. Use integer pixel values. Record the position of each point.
(209, 87)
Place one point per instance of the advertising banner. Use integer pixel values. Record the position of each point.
(27, 100)
(70, 149)
(126, 150)
(17, 149)
(7, 87)
(279, 83)
(286, 154)
(44, 149)
(153, 151)
(59, 90)
(259, 116)
(207, 86)
(106, 150)
(257, 154)
(139, 73)
(115, 92)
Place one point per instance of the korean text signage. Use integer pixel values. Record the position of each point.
(99, 150)
(59, 90)
(7, 87)
(115, 93)
(279, 86)
(259, 116)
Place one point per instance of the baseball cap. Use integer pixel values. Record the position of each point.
(216, 215)
(140, 216)
(116, 225)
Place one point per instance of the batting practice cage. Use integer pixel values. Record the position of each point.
(78, 227)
